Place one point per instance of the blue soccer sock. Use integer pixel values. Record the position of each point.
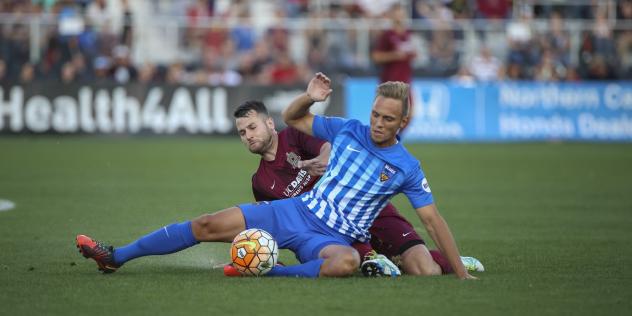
(168, 239)
(309, 269)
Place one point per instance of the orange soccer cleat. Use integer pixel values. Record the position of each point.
(102, 254)
(231, 271)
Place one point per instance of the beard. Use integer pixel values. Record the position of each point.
(261, 146)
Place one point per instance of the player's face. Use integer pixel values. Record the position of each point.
(256, 132)
(386, 120)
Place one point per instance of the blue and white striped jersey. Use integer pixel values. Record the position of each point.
(361, 178)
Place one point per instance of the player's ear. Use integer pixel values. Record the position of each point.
(270, 123)
(404, 121)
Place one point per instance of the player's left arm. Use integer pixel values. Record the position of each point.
(418, 192)
(442, 236)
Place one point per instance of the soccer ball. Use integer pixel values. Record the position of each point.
(254, 252)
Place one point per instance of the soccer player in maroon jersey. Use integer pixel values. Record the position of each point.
(394, 51)
(292, 163)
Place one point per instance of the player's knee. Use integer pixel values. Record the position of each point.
(204, 227)
(341, 265)
(351, 262)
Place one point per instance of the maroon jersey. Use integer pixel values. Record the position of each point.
(400, 70)
(280, 179)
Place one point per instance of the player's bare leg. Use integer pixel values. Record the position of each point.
(340, 261)
(221, 226)
(417, 260)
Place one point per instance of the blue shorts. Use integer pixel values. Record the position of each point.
(293, 227)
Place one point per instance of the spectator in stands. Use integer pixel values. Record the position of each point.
(284, 70)
(599, 69)
(175, 73)
(51, 60)
(558, 40)
(17, 50)
(547, 69)
(278, 36)
(101, 69)
(253, 64)
(223, 76)
(296, 8)
(485, 66)
(372, 8)
(88, 42)
(27, 73)
(602, 35)
(122, 71)
(99, 17)
(196, 13)
(316, 45)
(514, 72)
(624, 39)
(128, 25)
(571, 74)
(248, 69)
(520, 37)
(464, 76)
(605, 51)
(148, 73)
(243, 34)
(597, 52)
(493, 9)
(461, 9)
(68, 73)
(219, 69)
(443, 54)
(80, 68)
(394, 49)
(340, 51)
(98, 36)
(3, 72)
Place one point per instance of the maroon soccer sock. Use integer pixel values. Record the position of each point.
(442, 261)
(362, 248)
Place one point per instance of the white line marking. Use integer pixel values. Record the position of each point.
(6, 205)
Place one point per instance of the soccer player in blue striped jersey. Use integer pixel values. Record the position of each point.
(367, 167)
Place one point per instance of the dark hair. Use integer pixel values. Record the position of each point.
(250, 105)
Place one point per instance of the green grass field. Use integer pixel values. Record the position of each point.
(551, 222)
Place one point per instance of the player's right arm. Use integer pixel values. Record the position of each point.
(297, 114)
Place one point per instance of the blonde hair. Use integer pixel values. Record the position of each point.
(395, 90)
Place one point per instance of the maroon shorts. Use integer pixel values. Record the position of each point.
(392, 234)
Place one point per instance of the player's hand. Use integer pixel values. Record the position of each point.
(315, 167)
(319, 88)
(468, 276)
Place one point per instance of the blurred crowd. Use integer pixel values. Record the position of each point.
(94, 40)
